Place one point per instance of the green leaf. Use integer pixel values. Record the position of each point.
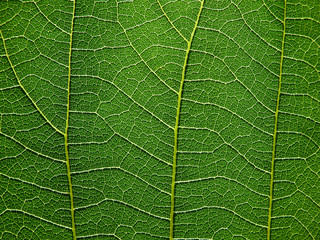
(154, 119)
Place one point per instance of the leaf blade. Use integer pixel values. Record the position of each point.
(116, 97)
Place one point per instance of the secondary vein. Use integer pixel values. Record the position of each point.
(276, 126)
(66, 130)
(23, 89)
(176, 128)
(167, 17)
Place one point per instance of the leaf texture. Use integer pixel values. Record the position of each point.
(154, 119)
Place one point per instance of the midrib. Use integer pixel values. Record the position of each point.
(66, 130)
(176, 128)
(276, 126)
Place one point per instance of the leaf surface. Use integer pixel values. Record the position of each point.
(159, 119)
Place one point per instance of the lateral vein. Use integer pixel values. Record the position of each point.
(66, 130)
(24, 90)
(276, 126)
(176, 128)
(171, 23)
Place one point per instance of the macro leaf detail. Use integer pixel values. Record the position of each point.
(154, 119)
